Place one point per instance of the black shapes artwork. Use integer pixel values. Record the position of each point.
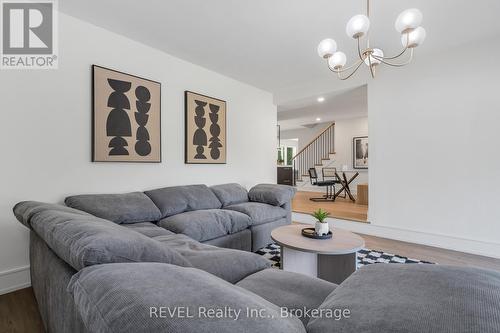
(118, 122)
(126, 117)
(142, 146)
(205, 140)
(215, 143)
(200, 137)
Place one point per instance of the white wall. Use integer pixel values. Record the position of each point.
(434, 161)
(345, 131)
(45, 136)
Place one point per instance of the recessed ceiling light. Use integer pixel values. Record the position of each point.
(318, 119)
(321, 99)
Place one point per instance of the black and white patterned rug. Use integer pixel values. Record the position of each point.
(365, 257)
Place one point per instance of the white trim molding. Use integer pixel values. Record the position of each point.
(15, 279)
(442, 241)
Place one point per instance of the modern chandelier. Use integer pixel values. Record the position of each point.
(407, 24)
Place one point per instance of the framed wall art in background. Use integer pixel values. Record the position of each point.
(360, 152)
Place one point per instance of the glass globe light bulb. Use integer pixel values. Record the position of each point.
(357, 26)
(414, 38)
(337, 60)
(327, 48)
(374, 61)
(408, 20)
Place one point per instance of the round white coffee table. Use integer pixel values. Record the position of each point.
(331, 259)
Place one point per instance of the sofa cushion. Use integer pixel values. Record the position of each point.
(289, 290)
(120, 208)
(272, 194)
(230, 265)
(259, 212)
(202, 225)
(229, 194)
(143, 297)
(148, 229)
(85, 240)
(415, 298)
(179, 199)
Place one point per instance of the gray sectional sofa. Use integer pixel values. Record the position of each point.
(222, 215)
(146, 262)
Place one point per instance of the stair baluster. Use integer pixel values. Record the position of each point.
(314, 153)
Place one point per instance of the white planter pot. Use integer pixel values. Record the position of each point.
(321, 228)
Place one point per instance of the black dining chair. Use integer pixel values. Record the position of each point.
(329, 184)
(330, 174)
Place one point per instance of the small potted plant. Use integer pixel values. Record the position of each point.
(321, 226)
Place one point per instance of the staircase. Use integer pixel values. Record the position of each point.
(317, 154)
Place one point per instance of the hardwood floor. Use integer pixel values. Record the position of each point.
(429, 253)
(340, 208)
(19, 312)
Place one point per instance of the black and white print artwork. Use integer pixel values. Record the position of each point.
(205, 141)
(360, 152)
(127, 116)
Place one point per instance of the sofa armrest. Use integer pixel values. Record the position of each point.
(81, 239)
(24, 211)
(272, 194)
(154, 297)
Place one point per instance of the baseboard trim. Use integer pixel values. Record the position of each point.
(14, 279)
(471, 246)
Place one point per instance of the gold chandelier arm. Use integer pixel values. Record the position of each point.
(348, 76)
(371, 65)
(359, 50)
(402, 52)
(343, 69)
(396, 65)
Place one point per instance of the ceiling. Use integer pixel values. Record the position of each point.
(305, 112)
(272, 44)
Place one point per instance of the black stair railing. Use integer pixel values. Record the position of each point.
(314, 153)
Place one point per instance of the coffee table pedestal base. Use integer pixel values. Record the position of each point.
(333, 268)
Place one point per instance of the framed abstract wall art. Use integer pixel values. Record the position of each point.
(126, 120)
(205, 138)
(360, 152)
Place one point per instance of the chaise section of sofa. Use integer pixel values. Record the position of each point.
(125, 298)
(414, 298)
